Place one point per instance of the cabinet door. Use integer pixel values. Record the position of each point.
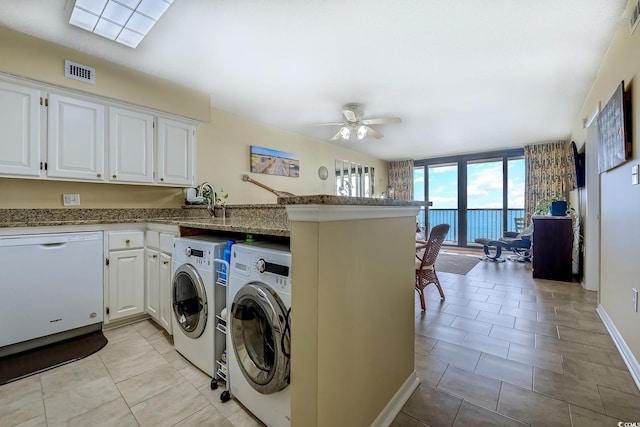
(166, 310)
(130, 146)
(126, 283)
(75, 143)
(152, 282)
(175, 153)
(20, 136)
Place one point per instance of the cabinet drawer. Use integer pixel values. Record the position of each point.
(125, 239)
(152, 239)
(166, 242)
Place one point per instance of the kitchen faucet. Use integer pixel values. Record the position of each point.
(210, 200)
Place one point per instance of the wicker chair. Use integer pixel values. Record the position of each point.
(426, 254)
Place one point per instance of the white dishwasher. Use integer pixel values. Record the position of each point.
(49, 283)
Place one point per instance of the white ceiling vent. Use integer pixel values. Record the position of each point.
(634, 18)
(76, 71)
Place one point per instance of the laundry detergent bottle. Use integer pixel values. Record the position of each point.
(226, 256)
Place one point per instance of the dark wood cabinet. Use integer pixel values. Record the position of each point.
(552, 247)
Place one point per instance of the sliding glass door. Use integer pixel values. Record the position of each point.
(478, 195)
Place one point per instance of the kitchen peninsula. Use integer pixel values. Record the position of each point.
(352, 294)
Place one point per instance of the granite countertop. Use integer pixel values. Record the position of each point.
(269, 219)
(238, 225)
(327, 199)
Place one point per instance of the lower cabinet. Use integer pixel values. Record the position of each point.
(138, 275)
(125, 293)
(158, 277)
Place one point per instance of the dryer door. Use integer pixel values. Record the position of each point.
(261, 337)
(189, 301)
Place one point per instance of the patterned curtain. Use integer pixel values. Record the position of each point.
(401, 180)
(547, 173)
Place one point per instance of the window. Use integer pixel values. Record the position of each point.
(478, 195)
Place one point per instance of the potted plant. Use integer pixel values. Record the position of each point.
(553, 206)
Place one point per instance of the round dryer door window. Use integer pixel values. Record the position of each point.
(261, 337)
(189, 301)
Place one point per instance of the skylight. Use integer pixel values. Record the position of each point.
(123, 21)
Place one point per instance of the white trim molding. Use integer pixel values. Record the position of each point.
(391, 411)
(628, 357)
(324, 213)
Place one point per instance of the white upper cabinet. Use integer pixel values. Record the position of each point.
(20, 135)
(75, 140)
(51, 133)
(130, 146)
(175, 153)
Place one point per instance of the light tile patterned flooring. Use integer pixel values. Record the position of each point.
(137, 379)
(501, 350)
(504, 349)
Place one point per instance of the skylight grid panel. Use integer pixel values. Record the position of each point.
(153, 8)
(107, 29)
(83, 19)
(140, 23)
(130, 38)
(131, 4)
(94, 6)
(117, 13)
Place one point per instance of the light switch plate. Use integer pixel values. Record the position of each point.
(71, 199)
(634, 175)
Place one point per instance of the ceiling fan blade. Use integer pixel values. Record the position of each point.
(336, 136)
(374, 133)
(381, 121)
(349, 115)
(329, 124)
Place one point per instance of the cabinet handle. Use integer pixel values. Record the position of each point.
(127, 242)
(99, 175)
(155, 256)
(165, 262)
(114, 177)
(161, 179)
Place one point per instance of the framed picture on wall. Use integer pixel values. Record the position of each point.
(274, 162)
(613, 129)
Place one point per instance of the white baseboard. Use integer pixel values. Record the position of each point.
(628, 357)
(391, 411)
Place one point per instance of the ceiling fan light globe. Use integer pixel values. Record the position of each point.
(362, 132)
(345, 132)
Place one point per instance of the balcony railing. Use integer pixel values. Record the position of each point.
(481, 223)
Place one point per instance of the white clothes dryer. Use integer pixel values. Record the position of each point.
(259, 334)
(192, 299)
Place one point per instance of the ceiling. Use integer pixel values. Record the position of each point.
(464, 76)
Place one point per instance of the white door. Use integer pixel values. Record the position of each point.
(75, 143)
(20, 135)
(175, 153)
(126, 283)
(130, 146)
(152, 282)
(165, 308)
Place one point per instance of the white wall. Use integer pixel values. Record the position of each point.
(619, 200)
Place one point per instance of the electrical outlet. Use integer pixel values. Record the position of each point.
(635, 299)
(71, 199)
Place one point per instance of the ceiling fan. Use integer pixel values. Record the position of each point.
(355, 127)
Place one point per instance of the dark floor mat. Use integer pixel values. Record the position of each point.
(30, 362)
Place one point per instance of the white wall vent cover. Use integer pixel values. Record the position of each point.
(76, 71)
(634, 18)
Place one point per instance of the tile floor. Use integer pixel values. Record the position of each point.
(506, 350)
(137, 379)
(502, 350)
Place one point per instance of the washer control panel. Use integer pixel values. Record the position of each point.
(199, 256)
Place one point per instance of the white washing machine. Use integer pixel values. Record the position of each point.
(259, 338)
(192, 298)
